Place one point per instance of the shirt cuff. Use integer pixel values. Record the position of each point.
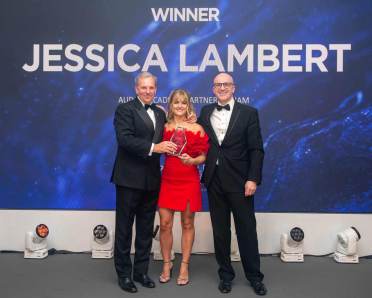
(151, 149)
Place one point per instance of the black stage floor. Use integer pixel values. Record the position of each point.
(77, 275)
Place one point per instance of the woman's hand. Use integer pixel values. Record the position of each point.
(186, 159)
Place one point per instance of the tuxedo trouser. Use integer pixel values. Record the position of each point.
(139, 205)
(221, 204)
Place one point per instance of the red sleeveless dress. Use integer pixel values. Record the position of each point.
(180, 183)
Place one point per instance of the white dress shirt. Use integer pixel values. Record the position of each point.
(150, 112)
(220, 120)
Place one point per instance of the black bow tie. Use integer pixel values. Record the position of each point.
(148, 106)
(219, 108)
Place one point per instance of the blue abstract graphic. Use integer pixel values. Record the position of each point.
(57, 138)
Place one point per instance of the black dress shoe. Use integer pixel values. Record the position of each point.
(127, 285)
(259, 288)
(144, 280)
(225, 286)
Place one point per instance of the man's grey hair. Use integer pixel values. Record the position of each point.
(143, 75)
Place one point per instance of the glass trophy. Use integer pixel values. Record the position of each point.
(179, 138)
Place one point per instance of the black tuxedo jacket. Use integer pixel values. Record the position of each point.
(240, 156)
(135, 133)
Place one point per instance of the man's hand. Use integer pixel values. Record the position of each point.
(186, 159)
(192, 118)
(250, 188)
(165, 147)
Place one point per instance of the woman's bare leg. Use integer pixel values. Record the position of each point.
(166, 242)
(187, 241)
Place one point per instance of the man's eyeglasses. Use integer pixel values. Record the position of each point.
(225, 85)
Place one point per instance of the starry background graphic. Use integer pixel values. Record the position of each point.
(57, 140)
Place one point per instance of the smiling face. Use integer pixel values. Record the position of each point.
(179, 104)
(146, 89)
(223, 87)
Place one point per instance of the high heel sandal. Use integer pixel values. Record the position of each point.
(166, 278)
(183, 281)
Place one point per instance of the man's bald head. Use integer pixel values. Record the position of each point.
(224, 76)
(223, 87)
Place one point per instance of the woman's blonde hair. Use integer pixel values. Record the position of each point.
(173, 96)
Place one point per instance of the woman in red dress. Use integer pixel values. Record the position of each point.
(180, 184)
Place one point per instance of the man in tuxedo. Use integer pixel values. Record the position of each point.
(136, 174)
(232, 172)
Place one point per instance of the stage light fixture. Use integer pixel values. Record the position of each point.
(156, 245)
(102, 243)
(346, 249)
(36, 243)
(292, 245)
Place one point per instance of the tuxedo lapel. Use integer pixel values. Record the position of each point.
(234, 116)
(213, 135)
(143, 114)
(158, 127)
